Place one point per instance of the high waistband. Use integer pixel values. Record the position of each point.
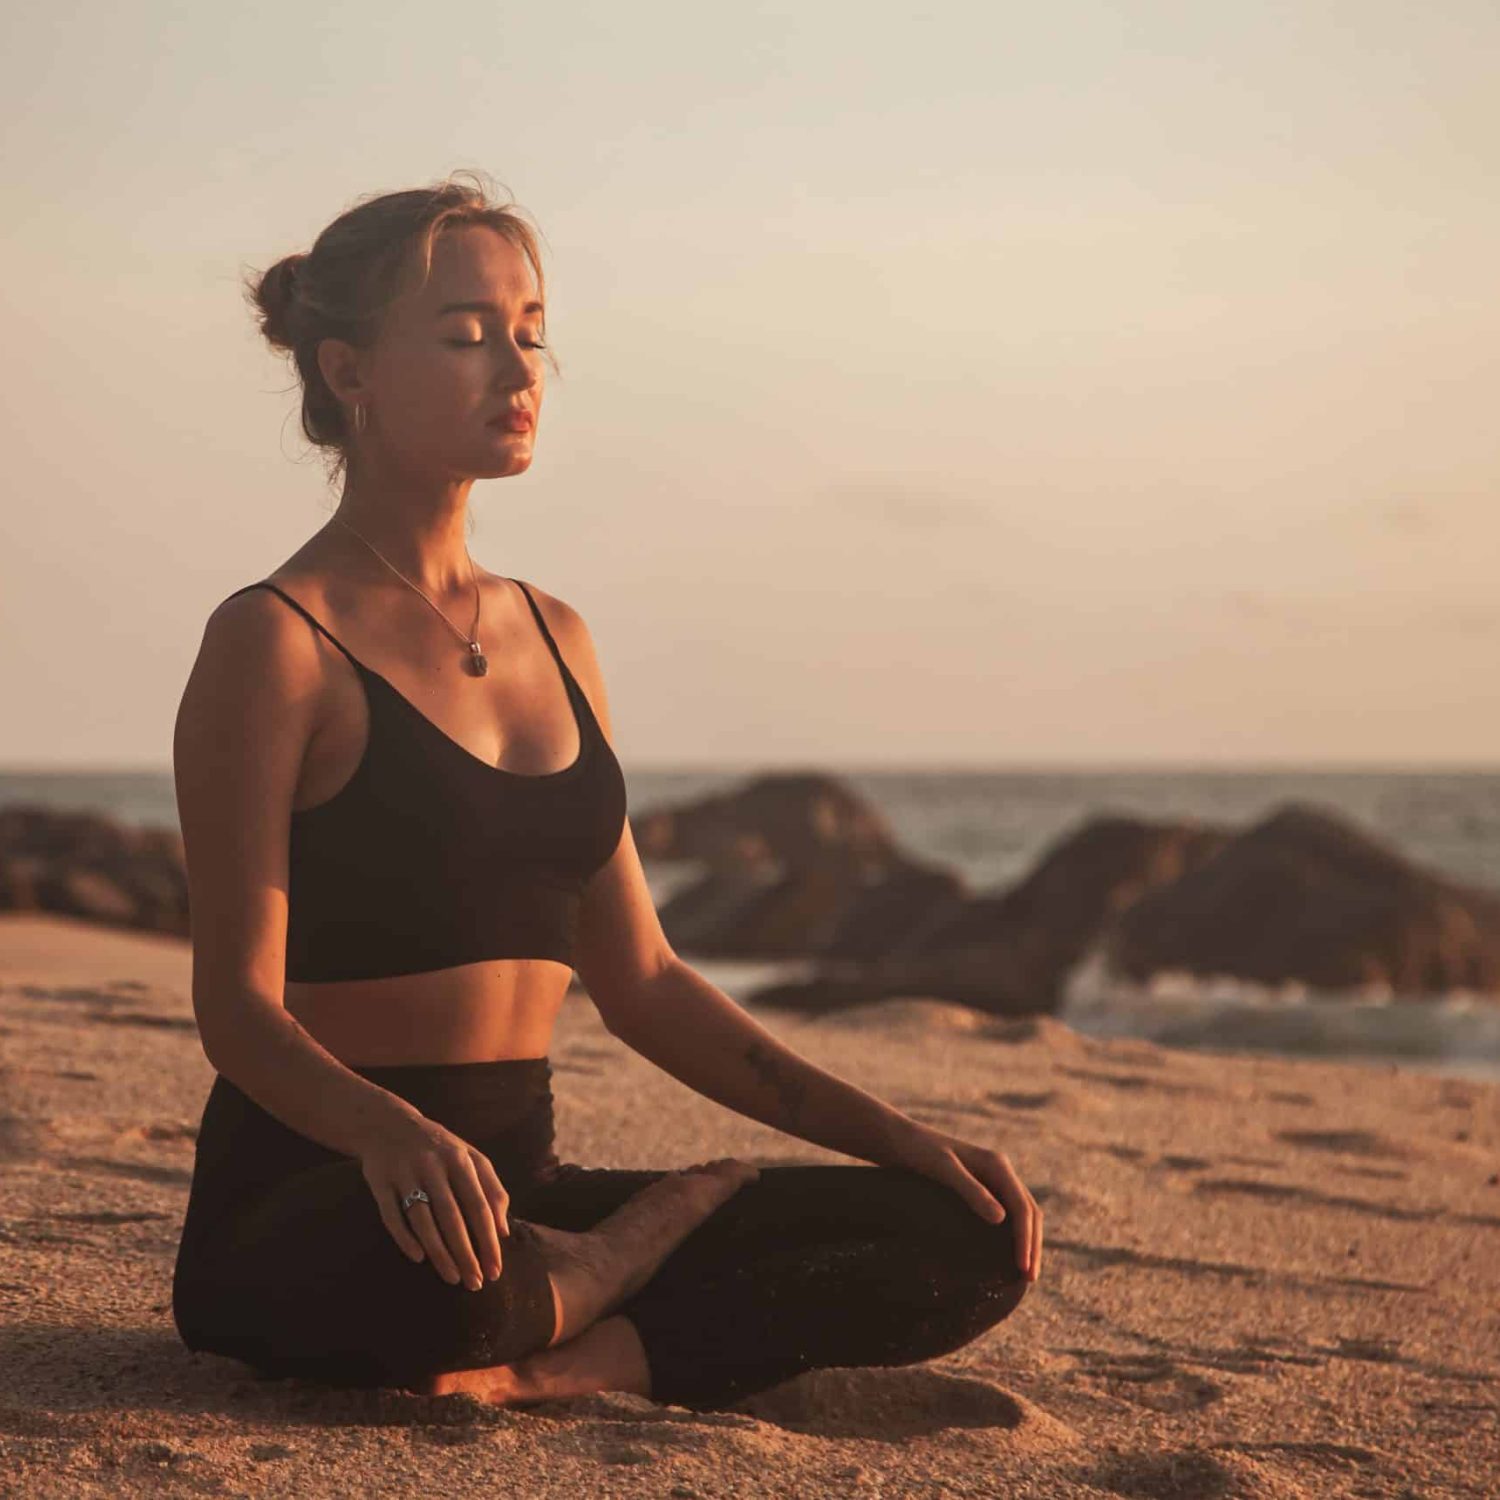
(504, 1107)
(483, 1097)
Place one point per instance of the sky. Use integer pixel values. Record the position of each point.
(956, 386)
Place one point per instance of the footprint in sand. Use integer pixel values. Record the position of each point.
(1345, 1142)
(141, 1171)
(109, 1216)
(1025, 1101)
(893, 1403)
(1132, 1081)
(1152, 1379)
(178, 1131)
(1155, 1474)
(143, 1018)
(1286, 1192)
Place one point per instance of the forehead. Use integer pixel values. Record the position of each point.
(477, 263)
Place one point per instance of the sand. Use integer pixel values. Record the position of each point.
(1262, 1277)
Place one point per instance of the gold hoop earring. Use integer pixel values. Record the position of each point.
(359, 416)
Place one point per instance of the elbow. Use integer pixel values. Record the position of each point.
(225, 1021)
(627, 1010)
(625, 993)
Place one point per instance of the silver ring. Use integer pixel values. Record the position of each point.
(417, 1195)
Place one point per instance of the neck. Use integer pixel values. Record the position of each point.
(420, 530)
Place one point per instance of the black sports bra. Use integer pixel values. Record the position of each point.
(428, 857)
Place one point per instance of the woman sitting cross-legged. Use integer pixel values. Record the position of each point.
(405, 827)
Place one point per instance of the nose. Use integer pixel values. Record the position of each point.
(516, 371)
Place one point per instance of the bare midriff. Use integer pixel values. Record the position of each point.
(482, 1012)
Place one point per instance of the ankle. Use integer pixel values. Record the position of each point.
(608, 1356)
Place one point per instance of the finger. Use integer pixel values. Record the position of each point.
(476, 1206)
(1019, 1204)
(455, 1232)
(388, 1200)
(978, 1196)
(424, 1226)
(495, 1193)
(1024, 1211)
(424, 1223)
(1023, 1222)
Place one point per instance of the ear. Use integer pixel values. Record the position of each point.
(341, 365)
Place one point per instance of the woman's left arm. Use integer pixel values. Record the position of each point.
(662, 1008)
(691, 1029)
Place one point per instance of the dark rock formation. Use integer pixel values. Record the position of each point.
(784, 818)
(796, 864)
(88, 865)
(1010, 952)
(1306, 896)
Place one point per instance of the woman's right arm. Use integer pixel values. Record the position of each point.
(247, 714)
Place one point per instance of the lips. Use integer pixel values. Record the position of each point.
(516, 421)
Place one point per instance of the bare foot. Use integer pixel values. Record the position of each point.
(605, 1357)
(593, 1272)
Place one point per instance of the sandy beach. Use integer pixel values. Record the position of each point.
(1262, 1277)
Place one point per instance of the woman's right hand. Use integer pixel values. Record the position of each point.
(460, 1229)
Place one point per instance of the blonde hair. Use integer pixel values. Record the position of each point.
(356, 268)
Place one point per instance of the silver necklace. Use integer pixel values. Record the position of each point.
(475, 661)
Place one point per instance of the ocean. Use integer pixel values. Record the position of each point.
(993, 826)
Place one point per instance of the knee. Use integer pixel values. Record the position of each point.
(998, 1298)
(972, 1304)
(988, 1249)
(984, 1281)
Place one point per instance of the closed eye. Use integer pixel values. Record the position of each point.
(476, 343)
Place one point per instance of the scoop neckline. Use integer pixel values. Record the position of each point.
(569, 688)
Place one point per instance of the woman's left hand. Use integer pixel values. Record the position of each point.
(980, 1176)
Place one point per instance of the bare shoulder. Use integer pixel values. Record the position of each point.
(245, 718)
(258, 671)
(255, 634)
(576, 642)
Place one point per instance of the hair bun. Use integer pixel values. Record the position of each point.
(275, 295)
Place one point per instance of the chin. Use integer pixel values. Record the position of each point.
(499, 465)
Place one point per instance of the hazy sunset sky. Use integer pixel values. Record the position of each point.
(964, 385)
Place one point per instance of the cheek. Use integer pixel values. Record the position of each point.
(437, 390)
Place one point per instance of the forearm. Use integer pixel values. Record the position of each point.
(691, 1029)
(261, 1048)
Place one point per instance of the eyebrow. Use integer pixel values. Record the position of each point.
(483, 306)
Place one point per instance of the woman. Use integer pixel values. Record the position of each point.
(399, 852)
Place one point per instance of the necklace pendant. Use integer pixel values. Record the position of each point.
(478, 666)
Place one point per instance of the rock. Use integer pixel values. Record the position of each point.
(823, 906)
(780, 819)
(86, 864)
(1009, 953)
(1306, 896)
(796, 865)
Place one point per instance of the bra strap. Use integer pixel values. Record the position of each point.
(265, 583)
(557, 655)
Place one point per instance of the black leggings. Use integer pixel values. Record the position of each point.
(285, 1264)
